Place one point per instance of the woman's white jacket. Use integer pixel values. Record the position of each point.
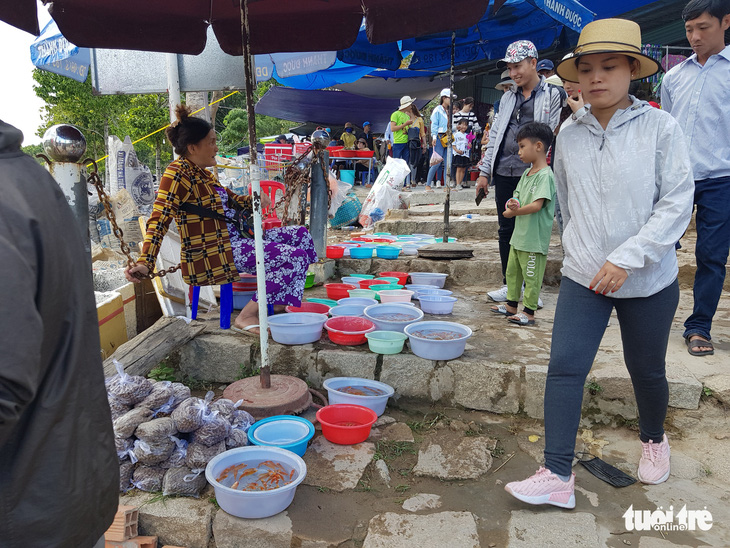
(626, 194)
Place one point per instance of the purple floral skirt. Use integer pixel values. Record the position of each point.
(288, 252)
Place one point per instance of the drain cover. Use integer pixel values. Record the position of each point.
(445, 251)
(287, 395)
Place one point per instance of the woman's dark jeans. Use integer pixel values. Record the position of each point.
(581, 317)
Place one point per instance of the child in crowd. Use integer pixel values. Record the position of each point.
(533, 206)
(461, 150)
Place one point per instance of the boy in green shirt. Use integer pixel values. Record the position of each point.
(533, 205)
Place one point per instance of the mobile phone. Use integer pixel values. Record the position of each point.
(480, 196)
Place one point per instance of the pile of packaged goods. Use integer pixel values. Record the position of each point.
(165, 437)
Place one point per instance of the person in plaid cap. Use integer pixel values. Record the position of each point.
(531, 99)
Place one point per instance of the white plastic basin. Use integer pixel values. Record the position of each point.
(375, 312)
(255, 504)
(437, 304)
(376, 403)
(428, 278)
(431, 349)
(301, 328)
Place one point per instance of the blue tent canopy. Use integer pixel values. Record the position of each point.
(328, 108)
(52, 52)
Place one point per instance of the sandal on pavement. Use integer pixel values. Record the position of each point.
(692, 346)
(247, 330)
(501, 309)
(520, 319)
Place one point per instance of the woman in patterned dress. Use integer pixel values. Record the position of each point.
(212, 251)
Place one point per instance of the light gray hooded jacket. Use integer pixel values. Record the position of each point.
(626, 195)
(548, 104)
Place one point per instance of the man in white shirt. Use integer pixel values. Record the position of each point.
(696, 93)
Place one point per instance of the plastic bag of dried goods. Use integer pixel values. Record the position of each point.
(159, 395)
(123, 446)
(198, 454)
(148, 478)
(151, 453)
(125, 476)
(128, 389)
(237, 438)
(117, 408)
(224, 407)
(188, 416)
(125, 425)
(177, 458)
(181, 393)
(242, 419)
(214, 430)
(183, 481)
(156, 429)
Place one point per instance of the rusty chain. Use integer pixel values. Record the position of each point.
(95, 180)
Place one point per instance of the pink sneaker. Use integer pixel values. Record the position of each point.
(654, 462)
(544, 488)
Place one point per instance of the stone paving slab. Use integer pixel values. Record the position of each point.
(450, 456)
(336, 467)
(422, 501)
(547, 529)
(452, 529)
(232, 532)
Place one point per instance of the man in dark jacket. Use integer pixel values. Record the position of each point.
(59, 476)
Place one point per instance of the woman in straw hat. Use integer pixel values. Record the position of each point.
(625, 187)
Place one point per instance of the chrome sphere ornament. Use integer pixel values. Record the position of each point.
(322, 137)
(64, 143)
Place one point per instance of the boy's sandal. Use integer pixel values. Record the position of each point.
(692, 346)
(501, 309)
(429, 189)
(520, 319)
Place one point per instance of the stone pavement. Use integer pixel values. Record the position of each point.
(433, 470)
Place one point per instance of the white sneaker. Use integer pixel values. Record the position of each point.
(498, 295)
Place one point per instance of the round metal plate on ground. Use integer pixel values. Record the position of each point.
(445, 251)
(287, 395)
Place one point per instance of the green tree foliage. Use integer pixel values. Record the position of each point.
(32, 150)
(146, 114)
(71, 102)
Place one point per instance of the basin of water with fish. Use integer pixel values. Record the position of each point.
(255, 481)
(354, 390)
(437, 340)
(392, 316)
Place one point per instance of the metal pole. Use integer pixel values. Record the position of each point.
(449, 133)
(173, 86)
(250, 82)
(318, 207)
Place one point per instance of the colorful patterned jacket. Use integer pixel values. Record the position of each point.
(205, 255)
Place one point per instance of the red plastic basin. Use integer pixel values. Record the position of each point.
(338, 291)
(335, 251)
(363, 153)
(402, 276)
(348, 330)
(365, 284)
(317, 308)
(346, 424)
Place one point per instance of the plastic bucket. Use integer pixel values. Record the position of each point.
(285, 431)
(347, 176)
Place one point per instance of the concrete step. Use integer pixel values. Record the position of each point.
(485, 266)
(456, 209)
(503, 369)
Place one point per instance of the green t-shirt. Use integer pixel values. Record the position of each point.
(400, 117)
(532, 232)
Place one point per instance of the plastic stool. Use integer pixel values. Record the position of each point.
(226, 305)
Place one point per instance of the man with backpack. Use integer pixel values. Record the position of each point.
(531, 99)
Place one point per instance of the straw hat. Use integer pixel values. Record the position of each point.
(405, 102)
(609, 36)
